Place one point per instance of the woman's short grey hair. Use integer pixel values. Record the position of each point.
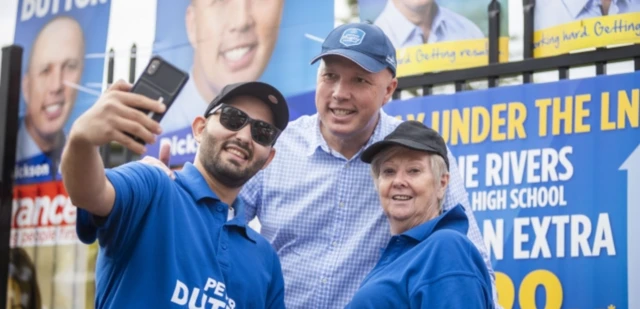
(438, 166)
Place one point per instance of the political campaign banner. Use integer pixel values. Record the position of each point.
(432, 36)
(64, 45)
(563, 26)
(553, 176)
(224, 42)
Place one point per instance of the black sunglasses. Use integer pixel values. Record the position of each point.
(234, 119)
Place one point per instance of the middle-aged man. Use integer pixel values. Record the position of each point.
(316, 202)
(232, 42)
(173, 244)
(56, 58)
(549, 13)
(416, 22)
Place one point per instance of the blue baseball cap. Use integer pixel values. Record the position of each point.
(363, 43)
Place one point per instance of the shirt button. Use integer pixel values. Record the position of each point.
(220, 208)
(341, 205)
(333, 244)
(324, 280)
(224, 246)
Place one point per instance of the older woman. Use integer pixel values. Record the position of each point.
(429, 262)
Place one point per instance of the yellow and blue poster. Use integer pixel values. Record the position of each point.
(223, 42)
(553, 176)
(563, 26)
(432, 36)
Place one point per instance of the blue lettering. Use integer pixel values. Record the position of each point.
(619, 26)
(547, 40)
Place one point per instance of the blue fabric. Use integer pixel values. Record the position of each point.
(168, 244)
(433, 265)
(322, 214)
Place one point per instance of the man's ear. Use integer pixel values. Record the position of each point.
(190, 24)
(391, 88)
(272, 154)
(25, 88)
(197, 127)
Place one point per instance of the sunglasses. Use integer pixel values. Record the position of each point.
(234, 119)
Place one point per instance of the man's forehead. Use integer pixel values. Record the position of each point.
(338, 62)
(253, 106)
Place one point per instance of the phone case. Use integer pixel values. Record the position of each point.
(160, 81)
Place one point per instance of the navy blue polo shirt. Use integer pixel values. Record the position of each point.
(168, 244)
(433, 265)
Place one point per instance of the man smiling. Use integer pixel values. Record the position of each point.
(232, 42)
(57, 57)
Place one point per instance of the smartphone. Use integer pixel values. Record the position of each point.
(161, 81)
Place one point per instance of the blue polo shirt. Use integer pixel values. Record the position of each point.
(433, 265)
(168, 244)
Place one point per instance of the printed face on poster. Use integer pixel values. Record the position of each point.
(432, 35)
(64, 46)
(224, 42)
(563, 26)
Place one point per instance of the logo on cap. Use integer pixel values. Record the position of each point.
(273, 99)
(352, 37)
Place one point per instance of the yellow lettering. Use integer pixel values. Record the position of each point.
(605, 124)
(435, 121)
(582, 113)
(543, 107)
(559, 115)
(479, 113)
(628, 108)
(497, 121)
(551, 284)
(460, 126)
(506, 290)
(446, 125)
(517, 115)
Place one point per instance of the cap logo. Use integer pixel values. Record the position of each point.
(352, 37)
(391, 60)
(272, 98)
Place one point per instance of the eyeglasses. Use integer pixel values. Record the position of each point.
(234, 119)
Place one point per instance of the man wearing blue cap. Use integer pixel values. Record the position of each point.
(316, 202)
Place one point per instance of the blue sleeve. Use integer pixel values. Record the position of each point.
(454, 276)
(135, 186)
(452, 292)
(250, 195)
(275, 296)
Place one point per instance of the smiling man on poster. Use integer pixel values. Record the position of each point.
(57, 58)
(232, 42)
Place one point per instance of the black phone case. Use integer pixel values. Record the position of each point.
(160, 81)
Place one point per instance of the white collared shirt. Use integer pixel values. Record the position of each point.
(549, 13)
(446, 26)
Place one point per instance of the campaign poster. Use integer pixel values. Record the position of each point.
(224, 42)
(432, 36)
(64, 45)
(563, 26)
(552, 173)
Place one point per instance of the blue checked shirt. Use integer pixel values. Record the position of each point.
(322, 214)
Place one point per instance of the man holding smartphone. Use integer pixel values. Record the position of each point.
(152, 253)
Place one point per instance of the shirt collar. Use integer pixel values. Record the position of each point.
(405, 29)
(317, 140)
(575, 7)
(193, 182)
(453, 219)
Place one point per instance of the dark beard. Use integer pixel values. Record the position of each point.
(230, 174)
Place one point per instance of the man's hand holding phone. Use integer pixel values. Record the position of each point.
(116, 116)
